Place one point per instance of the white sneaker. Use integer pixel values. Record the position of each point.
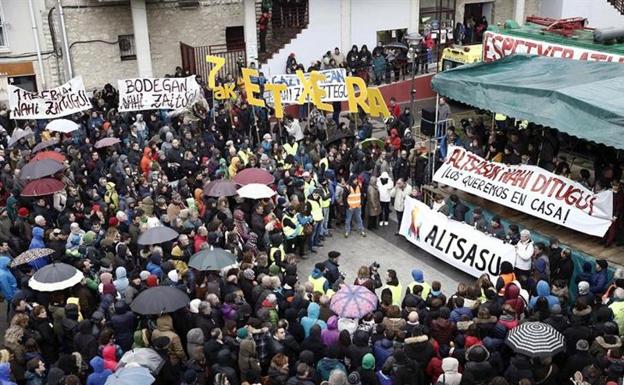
(381, 223)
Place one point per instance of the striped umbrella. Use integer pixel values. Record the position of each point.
(353, 301)
(535, 339)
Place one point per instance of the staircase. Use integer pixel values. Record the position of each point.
(617, 4)
(285, 25)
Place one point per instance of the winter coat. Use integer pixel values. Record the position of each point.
(385, 189)
(373, 205)
(459, 312)
(123, 323)
(419, 349)
(122, 282)
(100, 374)
(451, 375)
(164, 328)
(519, 368)
(8, 283)
(277, 376)
(543, 290)
(328, 365)
(382, 349)
(477, 370)
(48, 345)
(194, 339)
(397, 325)
(599, 281)
(442, 330)
(84, 342)
(330, 335)
(5, 374)
(312, 319)
(247, 359)
(35, 243)
(359, 348)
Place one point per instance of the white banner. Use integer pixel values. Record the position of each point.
(155, 94)
(497, 46)
(65, 99)
(529, 189)
(455, 243)
(334, 86)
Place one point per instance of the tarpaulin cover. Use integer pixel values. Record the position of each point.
(581, 98)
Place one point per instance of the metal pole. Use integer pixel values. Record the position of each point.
(70, 71)
(435, 137)
(37, 46)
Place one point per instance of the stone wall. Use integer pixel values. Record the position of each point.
(93, 29)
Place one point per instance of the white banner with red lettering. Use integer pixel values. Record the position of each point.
(455, 243)
(497, 45)
(529, 189)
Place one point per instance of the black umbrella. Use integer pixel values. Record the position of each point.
(156, 235)
(338, 135)
(535, 339)
(45, 144)
(158, 300)
(220, 188)
(55, 276)
(40, 169)
(212, 259)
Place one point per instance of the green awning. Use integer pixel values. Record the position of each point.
(580, 98)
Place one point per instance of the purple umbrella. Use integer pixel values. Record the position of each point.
(353, 301)
(106, 142)
(220, 188)
(40, 168)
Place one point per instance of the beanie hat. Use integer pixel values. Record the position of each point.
(368, 361)
(190, 376)
(23, 212)
(274, 269)
(354, 378)
(583, 288)
(582, 345)
(242, 333)
(144, 275)
(194, 305)
(88, 238)
(417, 275)
(152, 281)
(106, 278)
(248, 274)
(602, 263)
(333, 254)
(618, 293)
(173, 276)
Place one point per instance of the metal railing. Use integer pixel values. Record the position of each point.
(618, 4)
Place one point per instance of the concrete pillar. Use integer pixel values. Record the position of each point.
(519, 6)
(141, 38)
(414, 20)
(251, 32)
(345, 26)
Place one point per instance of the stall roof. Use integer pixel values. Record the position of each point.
(583, 99)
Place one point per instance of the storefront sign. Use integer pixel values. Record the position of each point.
(529, 189)
(455, 243)
(334, 86)
(497, 46)
(155, 94)
(66, 99)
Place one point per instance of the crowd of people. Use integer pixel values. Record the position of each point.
(264, 321)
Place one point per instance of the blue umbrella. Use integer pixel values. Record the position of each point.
(130, 376)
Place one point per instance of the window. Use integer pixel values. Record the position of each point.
(4, 42)
(235, 38)
(127, 50)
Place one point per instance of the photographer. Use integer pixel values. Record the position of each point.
(368, 277)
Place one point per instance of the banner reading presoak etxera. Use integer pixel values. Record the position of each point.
(529, 189)
(65, 99)
(456, 243)
(157, 93)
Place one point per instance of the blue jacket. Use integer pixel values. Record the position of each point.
(37, 243)
(312, 319)
(122, 282)
(457, 314)
(5, 374)
(8, 283)
(382, 350)
(599, 281)
(99, 375)
(543, 290)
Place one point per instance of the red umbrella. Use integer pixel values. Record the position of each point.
(254, 175)
(57, 156)
(106, 142)
(220, 188)
(40, 187)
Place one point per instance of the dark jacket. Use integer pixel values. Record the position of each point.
(84, 342)
(331, 273)
(359, 348)
(419, 349)
(123, 323)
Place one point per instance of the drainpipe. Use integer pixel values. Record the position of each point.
(37, 46)
(70, 71)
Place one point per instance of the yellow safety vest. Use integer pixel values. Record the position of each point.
(289, 232)
(500, 117)
(426, 288)
(354, 199)
(273, 251)
(318, 284)
(397, 292)
(317, 211)
(325, 202)
(291, 149)
(244, 157)
(308, 187)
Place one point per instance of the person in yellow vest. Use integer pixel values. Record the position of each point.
(392, 283)
(501, 121)
(354, 207)
(419, 279)
(309, 183)
(315, 210)
(291, 146)
(277, 253)
(293, 232)
(317, 279)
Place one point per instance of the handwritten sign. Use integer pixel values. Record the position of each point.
(65, 99)
(334, 86)
(158, 93)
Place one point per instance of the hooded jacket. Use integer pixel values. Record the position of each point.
(312, 319)
(8, 283)
(451, 375)
(122, 282)
(358, 348)
(330, 335)
(164, 328)
(36, 243)
(247, 358)
(124, 323)
(194, 339)
(84, 342)
(5, 374)
(543, 290)
(100, 374)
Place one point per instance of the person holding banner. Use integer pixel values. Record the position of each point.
(524, 256)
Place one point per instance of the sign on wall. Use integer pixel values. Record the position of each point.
(455, 243)
(157, 93)
(65, 99)
(529, 189)
(497, 46)
(334, 86)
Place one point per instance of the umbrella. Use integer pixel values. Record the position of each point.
(211, 259)
(255, 191)
(145, 357)
(56, 276)
(31, 255)
(18, 134)
(371, 142)
(131, 375)
(220, 188)
(45, 144)
(158, 300)
(41, 168)
(396, 45)
(535, 339)
(339, 135)
(43, 186)
(106, 142)
(57, 156)
(253, 175)
(353, 301)
(62, 125)
(156, 235)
